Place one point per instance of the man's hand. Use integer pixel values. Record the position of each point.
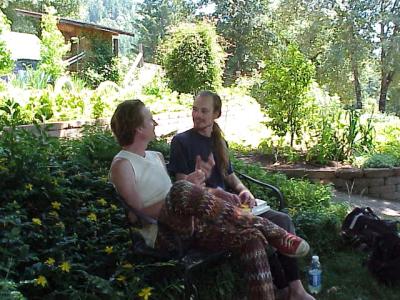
(197, 177)
(246, 197)
(224, 195)
(205, 166)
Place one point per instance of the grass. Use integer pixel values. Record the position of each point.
(345, 278)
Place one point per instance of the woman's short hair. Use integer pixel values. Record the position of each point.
(127, 117)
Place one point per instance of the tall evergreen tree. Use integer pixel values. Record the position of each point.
(154, 18)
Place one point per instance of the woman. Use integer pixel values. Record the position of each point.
(140, 177)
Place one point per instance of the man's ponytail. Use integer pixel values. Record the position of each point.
(217, 136)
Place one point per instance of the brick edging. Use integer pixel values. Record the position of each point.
(380, 182)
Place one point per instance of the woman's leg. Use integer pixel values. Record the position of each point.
(186, 199)
(214, 229)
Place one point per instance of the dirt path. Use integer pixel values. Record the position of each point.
(383, 208)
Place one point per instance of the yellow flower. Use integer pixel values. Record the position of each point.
(36, 221)
(41, 280)
(121, 278)
(56, 205)
(102, 201)
(145, 293)
(54, 214)
(65, 267)
(108, 249)
(113, 207)
(92, 217)
(127, 266)
(29, 187)
(50, 261)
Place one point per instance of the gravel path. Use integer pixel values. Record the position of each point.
(383, 208)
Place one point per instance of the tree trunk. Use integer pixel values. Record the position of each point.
(385, 82)
(357, 84)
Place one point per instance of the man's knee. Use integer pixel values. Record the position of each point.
(281, 219)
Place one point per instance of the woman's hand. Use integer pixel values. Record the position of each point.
(246, 197)
(197, 177)
(205, 166)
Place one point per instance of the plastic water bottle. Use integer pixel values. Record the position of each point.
(315, 276)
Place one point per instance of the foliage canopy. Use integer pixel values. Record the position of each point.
(192, 57)
(282, 90)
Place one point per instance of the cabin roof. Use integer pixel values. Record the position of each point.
(76, 23)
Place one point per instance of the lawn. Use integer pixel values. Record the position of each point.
(345, 278)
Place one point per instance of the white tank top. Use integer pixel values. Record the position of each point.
(151, 179)
(152, 182)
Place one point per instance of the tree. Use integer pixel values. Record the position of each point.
(6, 63)
(154, 18)
(53, 46)
(282, 91)
(116, 14)
(388, 19)
(245, 27)
(351, 38)
(192, 57)
(65, 8)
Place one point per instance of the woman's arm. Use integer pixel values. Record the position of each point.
(123, 178)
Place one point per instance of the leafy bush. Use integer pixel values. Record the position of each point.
(321, 228)
(391, 142)
(381, 160)
(101, 64)
(63, 236)
(157, 87)
(339, 134)
(53, 46)
(300, 195)
(282, 91)
(6, 63)
(192, 57)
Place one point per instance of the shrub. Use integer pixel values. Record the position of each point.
(6, 63)
(382, 160)
(101, 64)
(63, 236)
(391, 143)
(321, 228)
(53, 46)
(192, 57)
(282, 91)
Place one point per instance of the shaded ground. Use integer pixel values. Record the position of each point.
(381, 207)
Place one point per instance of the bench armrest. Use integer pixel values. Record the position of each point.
(274, 189)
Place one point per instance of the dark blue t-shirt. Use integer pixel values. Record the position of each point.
(185, 147)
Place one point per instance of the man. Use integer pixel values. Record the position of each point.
(203, 147)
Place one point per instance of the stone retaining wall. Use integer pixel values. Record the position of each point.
(379, 183)
(168, 122)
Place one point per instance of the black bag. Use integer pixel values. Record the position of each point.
(384, 261)
(363, 227)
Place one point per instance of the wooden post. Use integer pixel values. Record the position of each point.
(141, 63)
(115, 46)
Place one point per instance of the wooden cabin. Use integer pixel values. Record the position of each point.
(83, 36)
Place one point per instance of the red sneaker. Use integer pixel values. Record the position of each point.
(291, 245)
